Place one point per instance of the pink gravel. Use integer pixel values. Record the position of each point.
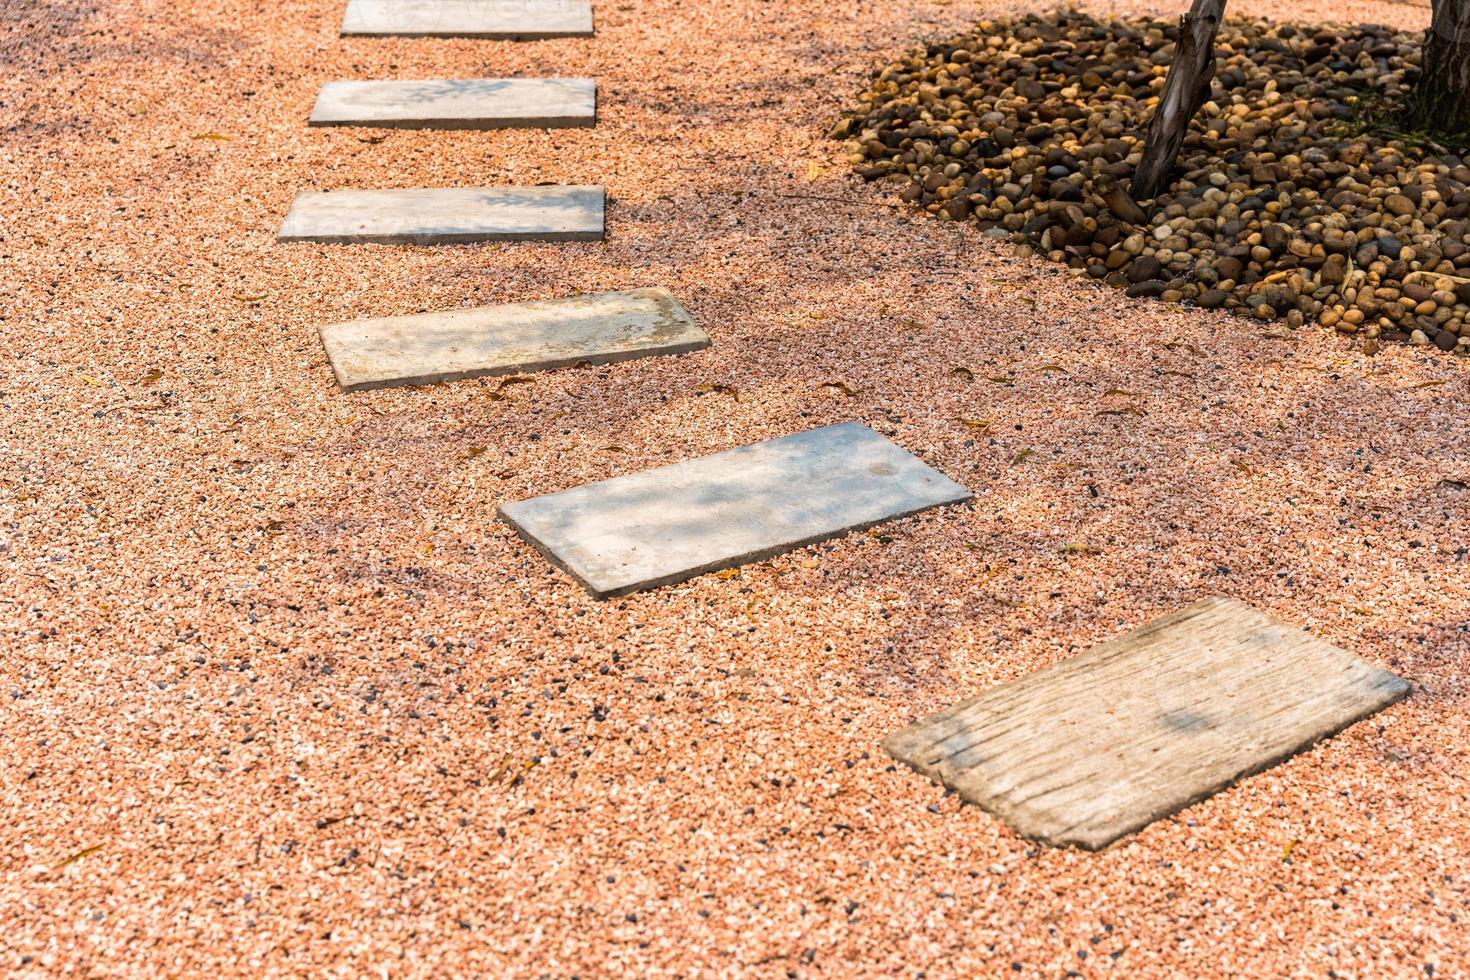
(281, 697)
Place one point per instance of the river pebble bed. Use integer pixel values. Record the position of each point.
(1293, 199)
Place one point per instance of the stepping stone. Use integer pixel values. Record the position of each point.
(675, 522)
(431, 347)
(512, 20)
(1143, 725)
(469, 103)
(446, 216)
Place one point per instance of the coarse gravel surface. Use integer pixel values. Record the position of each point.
(280, 697)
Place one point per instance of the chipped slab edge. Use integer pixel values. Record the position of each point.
(466, 124)
(440, 238)
(697, 343)
(1394, 689)
(613, 591)
(588, 29)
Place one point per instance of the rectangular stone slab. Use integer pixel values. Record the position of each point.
(671, 523)
(1143, 725)
(446, 216)
(511, 20)
(458, 103)
(429, 347)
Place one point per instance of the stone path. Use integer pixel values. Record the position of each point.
(1143, 725)
(675, 522)
(471, 103)
(430, 347)
(510, 20)
(446, 216)
(1080, 754)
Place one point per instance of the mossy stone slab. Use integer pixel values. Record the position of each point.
(514, 338)
(674, 522)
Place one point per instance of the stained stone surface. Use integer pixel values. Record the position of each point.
(444, 216)
(1143, 725)
(674, 522)
(515, 20)
(430, 347)
(458, 103)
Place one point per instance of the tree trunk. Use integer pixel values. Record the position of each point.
(1442, 97)
(1184, 92)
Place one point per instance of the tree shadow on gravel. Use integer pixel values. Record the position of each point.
(47, 46)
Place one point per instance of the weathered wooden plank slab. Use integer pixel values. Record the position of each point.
(446, 216)
(675, 522)
(508, 20)
(458, 103)
(430, 347)
(1143, 725)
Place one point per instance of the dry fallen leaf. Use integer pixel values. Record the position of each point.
(151, 377)
(980, 424)
(210, 136)
(92, 381)
(813, 170)
(719, 389)
(497, 394)
(1242, 467)
(810, 563)
(80, 854)
(1055, 367)
(842, 386)
(728, 573)
(1023, 455)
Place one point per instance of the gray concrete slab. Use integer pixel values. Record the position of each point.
(1103, 744)
(446, 216)
(675, 522)
(512, 20)
(515, 338)
(458, 103)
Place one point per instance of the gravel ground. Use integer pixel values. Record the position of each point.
(281, 697)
